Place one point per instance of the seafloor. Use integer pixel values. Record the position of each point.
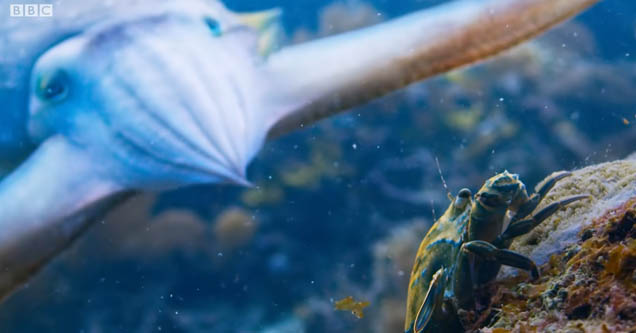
(338, 210)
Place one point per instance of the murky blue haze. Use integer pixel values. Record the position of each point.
(337, 209)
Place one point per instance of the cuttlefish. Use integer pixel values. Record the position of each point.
(107, 98)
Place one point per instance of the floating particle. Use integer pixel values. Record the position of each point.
(349, 304)
(625, 121)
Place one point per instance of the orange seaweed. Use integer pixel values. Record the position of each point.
(349, 304)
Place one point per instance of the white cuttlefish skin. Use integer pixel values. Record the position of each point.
(168, 95)
(172, 105)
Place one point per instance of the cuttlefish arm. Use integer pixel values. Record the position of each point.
(32, 229)
(328, 76)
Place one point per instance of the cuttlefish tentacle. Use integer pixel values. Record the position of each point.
(352, 68)
(132, 104)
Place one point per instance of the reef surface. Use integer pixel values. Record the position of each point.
(587, 254)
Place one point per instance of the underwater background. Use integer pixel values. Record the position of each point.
(339, 209)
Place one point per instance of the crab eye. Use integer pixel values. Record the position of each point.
(464, 193)
(53, 87)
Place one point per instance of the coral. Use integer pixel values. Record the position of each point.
(392, 262)
(321, 165)
(338, 17)
(234, 228)
(263, 195)
(588, 257)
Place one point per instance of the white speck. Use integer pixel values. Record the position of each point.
(269, 177)
(176, 312)
(354, 146)
(501, 99)
(220, 254)
(171, 295)
(493, 152)
(627, 54)
(378, 146)
(400, 273)
(312, 281)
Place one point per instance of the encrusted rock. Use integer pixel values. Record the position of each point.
(587, 254)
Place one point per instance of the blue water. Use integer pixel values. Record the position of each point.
(332, 195)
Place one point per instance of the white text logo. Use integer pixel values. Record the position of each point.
(31, 10)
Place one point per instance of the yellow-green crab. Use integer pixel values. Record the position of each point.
(465, 248)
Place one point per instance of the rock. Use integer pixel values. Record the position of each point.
(609, 184)
(587, 254)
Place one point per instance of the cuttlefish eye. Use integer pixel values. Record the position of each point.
(214, 26)
(53, 87)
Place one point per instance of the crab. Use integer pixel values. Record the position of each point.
(467, 245)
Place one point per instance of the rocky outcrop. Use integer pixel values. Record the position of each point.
(587, 254)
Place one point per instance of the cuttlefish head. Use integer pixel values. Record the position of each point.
(147, 103)
(157, 110)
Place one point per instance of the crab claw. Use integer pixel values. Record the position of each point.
(432, 300)
(522, 227)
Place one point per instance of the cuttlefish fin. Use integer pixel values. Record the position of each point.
(46, 204)
(268, 24)
(320, 78)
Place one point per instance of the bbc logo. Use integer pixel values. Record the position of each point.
(31, 10)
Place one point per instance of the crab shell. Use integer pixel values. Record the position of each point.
(108, 97)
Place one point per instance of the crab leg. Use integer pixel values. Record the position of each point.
(531, 203)
(547, 185)
(480, 261)
(522, 227)
(489, 252)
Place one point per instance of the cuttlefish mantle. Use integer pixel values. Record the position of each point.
(139, 97)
